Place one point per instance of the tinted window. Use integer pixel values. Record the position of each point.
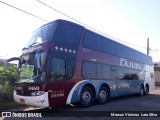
(99, 71)
(37, 35)
(138, 56)
(151, 75)
(58, 69)
(134, 74)
(114, 73)
(121, 50)
(70, 68)
(121, 73)
(69, 34)
(43, 34)
(92, 40)
(48, 31)
(128, 74)
(108, 46)
(93, 70)
(103, 71)
(130, 54)
(89, 70)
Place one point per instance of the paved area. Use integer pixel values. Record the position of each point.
(123, 105)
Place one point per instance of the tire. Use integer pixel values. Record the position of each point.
(103, 95)
(146, 90)
(141, 91)
(86, 97)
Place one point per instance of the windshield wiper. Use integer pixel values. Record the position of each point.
(36, 43)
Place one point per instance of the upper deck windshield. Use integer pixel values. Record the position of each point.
(43, 34)
(31, 69)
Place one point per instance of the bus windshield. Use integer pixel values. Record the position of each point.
(31, 69)
(42, 35)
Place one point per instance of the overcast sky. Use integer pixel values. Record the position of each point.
(132, 21)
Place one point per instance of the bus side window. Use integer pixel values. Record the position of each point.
(89, 70)
(69, 34)
(58, 69)
(114, 73)
(70, 68)
(151, 75)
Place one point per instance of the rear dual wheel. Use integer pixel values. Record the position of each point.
(103, 95)
(146, 90)
(141, 91)
(86, 96)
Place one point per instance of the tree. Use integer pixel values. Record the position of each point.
(7, 80)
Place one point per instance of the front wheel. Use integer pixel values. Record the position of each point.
(86, 97)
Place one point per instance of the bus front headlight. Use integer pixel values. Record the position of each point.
(15, 92)
(37, 93)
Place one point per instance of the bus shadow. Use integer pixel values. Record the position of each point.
(135, 97)
(116, 103)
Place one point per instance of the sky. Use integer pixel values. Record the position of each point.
(127, 21)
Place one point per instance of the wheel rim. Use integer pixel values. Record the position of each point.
(86, 97)
(102, 95)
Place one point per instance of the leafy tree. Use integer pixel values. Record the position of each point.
(7, 80)
(9, 76)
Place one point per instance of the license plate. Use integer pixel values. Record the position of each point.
(22, 100)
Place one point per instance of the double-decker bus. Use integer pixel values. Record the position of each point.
(66, 63)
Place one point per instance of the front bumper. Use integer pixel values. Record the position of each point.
(39, 101)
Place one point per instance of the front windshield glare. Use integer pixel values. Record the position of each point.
(42, 35)
(31, 69)
(27, 71)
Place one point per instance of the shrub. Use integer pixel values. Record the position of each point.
(7, 80)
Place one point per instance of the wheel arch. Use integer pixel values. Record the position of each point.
(105, 85)
(141, 84)
(141, 90)
(74, 94)
(90, 85)
(147, 85)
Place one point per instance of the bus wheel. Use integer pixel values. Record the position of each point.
(86, 97)
(103, 95)
(141, 91)
(146, 90)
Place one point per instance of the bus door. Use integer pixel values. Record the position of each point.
(57, 84)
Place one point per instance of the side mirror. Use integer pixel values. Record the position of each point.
(9, 60)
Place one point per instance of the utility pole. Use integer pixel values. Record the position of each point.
(147, 46)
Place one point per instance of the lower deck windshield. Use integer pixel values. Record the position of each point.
(31, 68)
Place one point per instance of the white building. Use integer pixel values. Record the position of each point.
(157, 72)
